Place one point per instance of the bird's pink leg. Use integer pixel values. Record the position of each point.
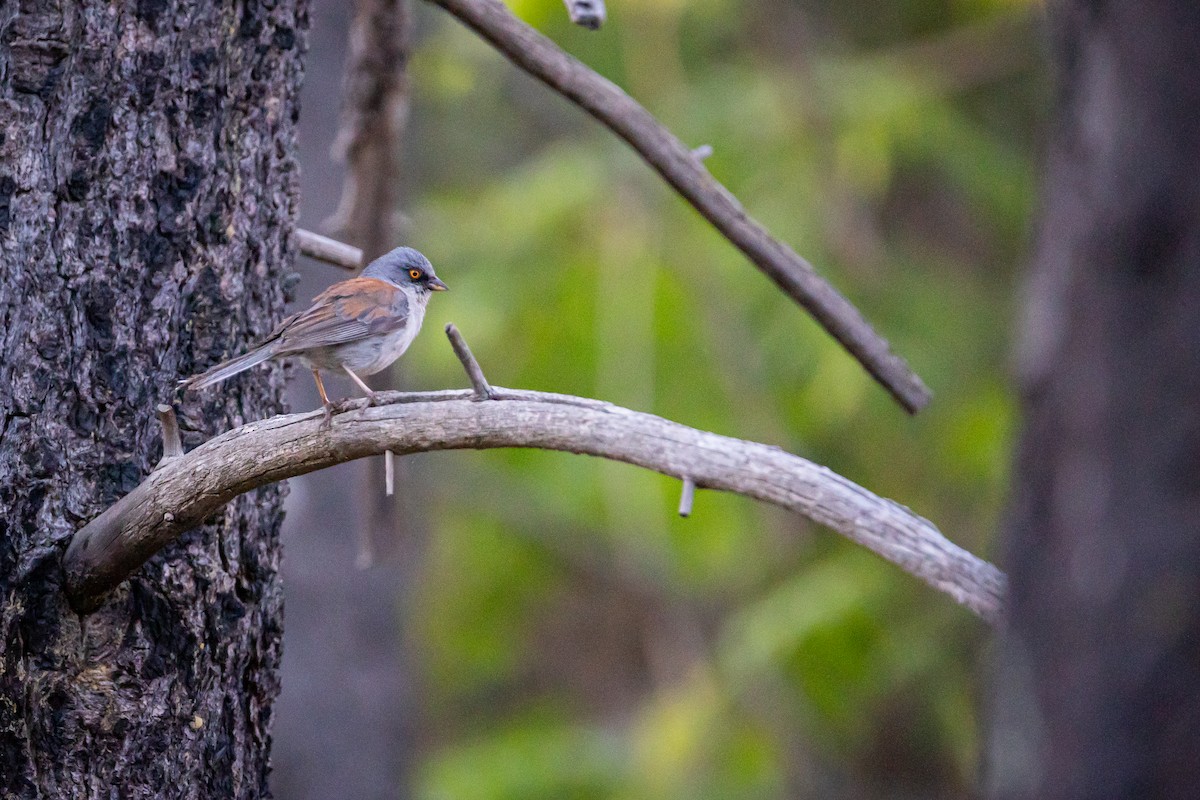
(324, 399)
(362, 385)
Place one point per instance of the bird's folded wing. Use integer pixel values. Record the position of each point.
(345, 312)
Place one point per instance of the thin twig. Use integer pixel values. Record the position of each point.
(588, 13)
(483, 390)
(684, 171)
(331, 251)
(188, 489)
(389, 472)
(172, 443)
(687, 496)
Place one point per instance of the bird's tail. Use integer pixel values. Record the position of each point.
(227, 369)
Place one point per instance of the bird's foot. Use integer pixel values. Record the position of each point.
(335, 407)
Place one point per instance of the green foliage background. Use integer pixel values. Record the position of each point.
(577, 639)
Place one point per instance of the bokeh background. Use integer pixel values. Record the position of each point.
(543, 625)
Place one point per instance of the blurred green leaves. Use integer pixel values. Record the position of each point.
(579, 640)
(529, 759)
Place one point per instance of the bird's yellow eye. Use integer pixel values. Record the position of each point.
(415, 274)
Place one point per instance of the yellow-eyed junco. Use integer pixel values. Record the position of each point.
(359, 326)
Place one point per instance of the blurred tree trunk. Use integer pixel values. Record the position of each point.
(147, 196)
(1098, 671)
(345, 721)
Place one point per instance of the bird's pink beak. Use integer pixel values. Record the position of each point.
(436, 285)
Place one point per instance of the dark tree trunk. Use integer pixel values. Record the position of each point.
(1099, 671)
(147, 196)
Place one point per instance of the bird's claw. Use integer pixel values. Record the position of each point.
(335, 407)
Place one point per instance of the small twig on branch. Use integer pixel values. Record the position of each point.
(172, 443)
(188, 489)
(685, 172)
(331, 251)
(483, 390)
(687, 497)
(588, 13)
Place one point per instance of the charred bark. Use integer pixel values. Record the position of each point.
(147, 196)
(1098, 672)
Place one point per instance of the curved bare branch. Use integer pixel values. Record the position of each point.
(683, 169)
(183, 491)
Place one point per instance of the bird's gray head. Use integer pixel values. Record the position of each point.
(405, 267)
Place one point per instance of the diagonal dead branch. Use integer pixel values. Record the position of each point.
(685, 172)
(186, 490)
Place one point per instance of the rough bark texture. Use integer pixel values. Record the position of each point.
(146, 201)
(1098, 673)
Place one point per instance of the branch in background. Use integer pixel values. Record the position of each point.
(588, 13)
(186, 490)
(683, 170)
(375, 100)
(331, 251)
(374, 112)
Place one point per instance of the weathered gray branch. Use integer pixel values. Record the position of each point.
(685, 172)
(331, 251)
(186, 490)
